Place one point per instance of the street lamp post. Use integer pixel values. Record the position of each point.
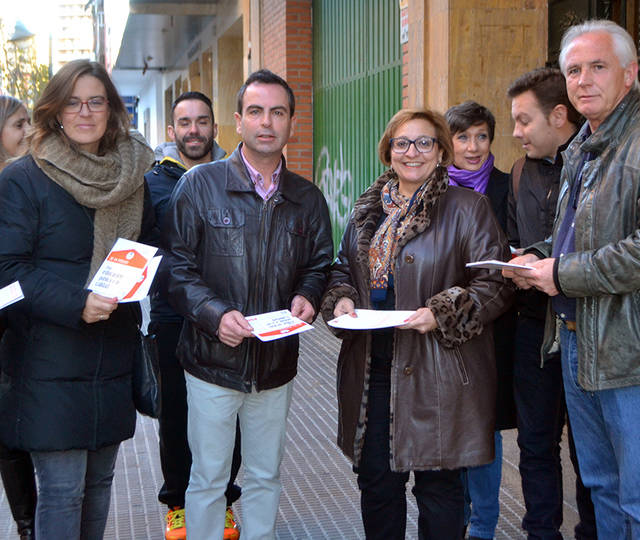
(22, 41)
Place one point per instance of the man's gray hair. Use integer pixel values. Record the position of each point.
(623, 45)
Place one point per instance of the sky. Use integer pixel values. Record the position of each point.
(35, 14)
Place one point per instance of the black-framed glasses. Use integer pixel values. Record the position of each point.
(96, 104)
(423, 144)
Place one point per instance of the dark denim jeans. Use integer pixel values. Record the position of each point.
(541, 414)
(439, 494)
(74, 492)
(175, 456)
(607, 431)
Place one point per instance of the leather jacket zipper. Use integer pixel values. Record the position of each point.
(259, 291)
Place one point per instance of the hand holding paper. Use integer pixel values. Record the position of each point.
(518, 275)
(302, 308)
(127, 272)
(233, 328)
(369, 319)
(98, 308)
(344, 306)
(422, 321)
(276, 325)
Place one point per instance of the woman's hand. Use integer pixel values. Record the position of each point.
(98, 308)
(344, 306)
(422, 321)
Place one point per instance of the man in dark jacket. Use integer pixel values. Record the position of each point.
(590, 270)
(192, 132)
(246, 236)
(545, 123)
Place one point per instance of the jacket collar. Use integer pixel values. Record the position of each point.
(613, 127)
(367, 211)
(238, 178)
(172, 163)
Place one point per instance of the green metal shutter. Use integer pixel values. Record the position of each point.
(357, 87)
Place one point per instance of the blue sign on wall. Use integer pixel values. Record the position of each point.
(131, 104)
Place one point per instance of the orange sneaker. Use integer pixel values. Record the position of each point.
(231, 530)
(175, 529)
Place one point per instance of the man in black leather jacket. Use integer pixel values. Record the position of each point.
(246, 236)
(192, 131)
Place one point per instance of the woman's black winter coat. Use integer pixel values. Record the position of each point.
(65, 384)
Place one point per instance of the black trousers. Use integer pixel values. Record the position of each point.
(175, 456)
(541, 412)
(439, 494)
(19, 482)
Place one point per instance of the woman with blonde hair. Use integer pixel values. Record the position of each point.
(419, 397)
(14, 120)
(16, 467)
(67, 353)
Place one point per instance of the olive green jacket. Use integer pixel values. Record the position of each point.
(604, 272)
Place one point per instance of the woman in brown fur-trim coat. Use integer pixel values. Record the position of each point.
(420, 397)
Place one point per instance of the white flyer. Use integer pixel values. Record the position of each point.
(122, 274)
(141, 288)
(10, 294)
(493, 264)
(369, 319)
(276, 325)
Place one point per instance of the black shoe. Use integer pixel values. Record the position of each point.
(26, 531)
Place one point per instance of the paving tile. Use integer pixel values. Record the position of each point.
(320, 498)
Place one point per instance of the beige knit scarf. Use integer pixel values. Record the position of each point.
(112, 184)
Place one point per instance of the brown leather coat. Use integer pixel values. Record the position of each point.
(443, 382)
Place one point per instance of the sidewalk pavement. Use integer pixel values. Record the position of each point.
(320, 499)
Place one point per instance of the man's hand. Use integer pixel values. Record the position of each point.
(233, 328)
(302, 308)
(541, 277)
(98, 308)
(422, 320)
(344, 306)
(518, 275)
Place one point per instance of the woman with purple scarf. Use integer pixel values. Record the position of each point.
(472, 128)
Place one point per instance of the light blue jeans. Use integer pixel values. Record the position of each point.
(482, 492)
(74, 492)
(211, 429)
(606, 431)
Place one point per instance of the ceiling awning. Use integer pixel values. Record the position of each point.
(158, 34)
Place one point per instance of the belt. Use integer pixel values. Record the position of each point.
(570, 325)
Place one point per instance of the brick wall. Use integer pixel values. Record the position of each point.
(287, 50)
(273, 13)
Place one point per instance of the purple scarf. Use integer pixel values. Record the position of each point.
(476, 180)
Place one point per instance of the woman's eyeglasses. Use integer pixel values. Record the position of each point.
(96, 104)
(423, 144)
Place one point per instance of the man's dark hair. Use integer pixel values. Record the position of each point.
(265, 76)
(550, 89)
(193, 95)
(462, 117)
